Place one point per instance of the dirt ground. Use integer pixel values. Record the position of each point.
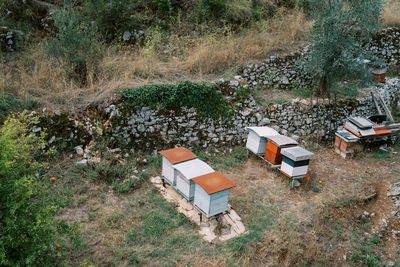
(339, 193)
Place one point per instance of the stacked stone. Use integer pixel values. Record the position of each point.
(9, 39)
(386, 45)
(151, 129)
(286, 72)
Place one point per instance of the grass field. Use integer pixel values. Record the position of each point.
(321, 224)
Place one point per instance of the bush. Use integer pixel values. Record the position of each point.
(75, 45)
(233, 11)
(112, 18)
(9, 103)
(26, 214)
(205, 98)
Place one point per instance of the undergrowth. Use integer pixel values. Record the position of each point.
(205, 98)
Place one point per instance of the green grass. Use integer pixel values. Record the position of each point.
(301, 92)
(233, 159)
(279, 100)
(381, 154)
(8, 104)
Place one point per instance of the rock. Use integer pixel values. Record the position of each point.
(36, 129)
(394, 213)
(204, 224)
(264, 122)
(79, 150)
(185, 204)
(82, 163)
(395, 192)
(225, 231)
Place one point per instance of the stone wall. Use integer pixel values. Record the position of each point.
(153, 129)
(285, 73)
(9, 39)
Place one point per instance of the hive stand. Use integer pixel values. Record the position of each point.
(270, 165)
(295, 178)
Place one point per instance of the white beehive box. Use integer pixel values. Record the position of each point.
(257, 141)
(171, 157)
(187, 170)
(212, 192)
(295, 161)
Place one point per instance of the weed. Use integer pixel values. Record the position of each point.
(279, 100)
(381, 154)
(365, 254)
(301, 92)
(205, 98)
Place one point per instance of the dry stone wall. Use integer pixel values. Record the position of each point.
(153, 129)
(285, 73)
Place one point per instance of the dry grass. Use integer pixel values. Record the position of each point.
(391, 14)
(214, 55)
(33, 76)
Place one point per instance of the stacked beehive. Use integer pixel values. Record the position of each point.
(274, 146)
(196, 180)
(279, 151)
(358, 129)
(295, 161)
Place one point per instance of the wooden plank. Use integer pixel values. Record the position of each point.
(376, 103)
(385, 107)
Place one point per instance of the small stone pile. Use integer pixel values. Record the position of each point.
(9, 39)
(395, 195)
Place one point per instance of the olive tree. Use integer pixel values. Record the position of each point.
(341, 28)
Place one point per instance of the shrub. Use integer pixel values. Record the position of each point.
(233, 11)
(112, 18)
(26, 214)
(75, 45)
(8, 104)
(205, 98)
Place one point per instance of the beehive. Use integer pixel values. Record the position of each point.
(171, 157)
(185, 172)
(345, 141)
(274, 146)
(212, 192)
(295, 161)
(257, 141)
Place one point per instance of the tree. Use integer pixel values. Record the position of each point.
(26, 214)
(341, 28)
(75, 45)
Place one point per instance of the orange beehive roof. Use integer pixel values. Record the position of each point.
(213, 182)
(178, 154)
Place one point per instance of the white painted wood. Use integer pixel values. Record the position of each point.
(256, 141)
(256, 144)
(182, 184)
(219, 202)
(294, 171)
(263, 131)
(202, 199)
(189, 170)
(168, 171)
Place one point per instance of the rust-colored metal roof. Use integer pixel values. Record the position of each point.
(213, 182)
(178, 154)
